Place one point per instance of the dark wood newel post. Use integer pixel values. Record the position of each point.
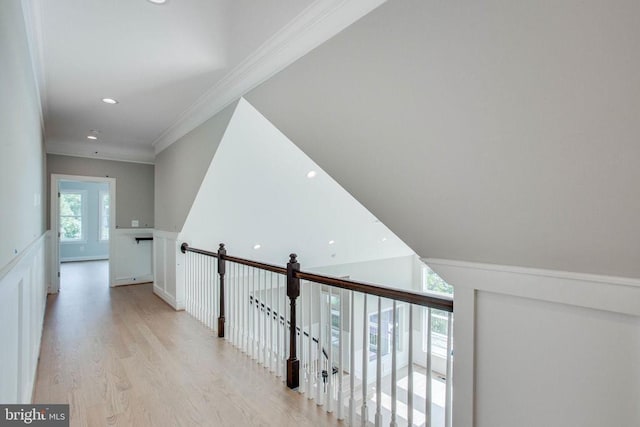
(221, 270)
(293, 292)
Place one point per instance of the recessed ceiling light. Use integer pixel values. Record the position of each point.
(109, 101)
(384, 239)
(311, 174)
(92, 137)
(331, 242)
(158, 1)
(257, 246)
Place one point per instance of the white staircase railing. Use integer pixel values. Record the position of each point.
(349, 346)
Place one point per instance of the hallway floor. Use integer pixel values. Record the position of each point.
(121, 356)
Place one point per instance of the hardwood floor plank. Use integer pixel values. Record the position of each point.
(123, 357)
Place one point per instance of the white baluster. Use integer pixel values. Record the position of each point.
(252, 327)
(299, 342)
(341, 359)
(189, 282)
(249, 303)
(199, 299)
(259, 302)
(195, 285)
(427, 409)
(236, 306)
(187, 278)
(232, 304)
(378, 418)
(448, 394)
(320, 391)
(310, 359)
(287, 323)
(269, 314)
(410, 369)
(244, 302)
(330, 353)
(201, 288)
(205, 290)
(229, 308)
(364, 411)
(280, 338)
(278, 331)
(352, 360)
(209, 297)
(264, 316)
(394, 361)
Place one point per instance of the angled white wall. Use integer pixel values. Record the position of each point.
(256, 191)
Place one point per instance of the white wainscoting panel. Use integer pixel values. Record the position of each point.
(537, 347)
(168, 282)
(23, 291)
(133, 262)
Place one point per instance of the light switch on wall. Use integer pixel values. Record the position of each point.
(134, 222)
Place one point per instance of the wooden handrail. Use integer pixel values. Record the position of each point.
(256, 264)
(184, 248)
(261, 265)
(437, 302)
(443, 303)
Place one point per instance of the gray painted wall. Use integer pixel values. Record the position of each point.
(21, 141)
(134, 185)
(179, 170)
(91, 246)
(498, 132)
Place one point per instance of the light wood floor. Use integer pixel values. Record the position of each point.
(121, 356)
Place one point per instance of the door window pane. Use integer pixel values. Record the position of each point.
(71, 208)
(104, 215)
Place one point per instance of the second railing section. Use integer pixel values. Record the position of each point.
(370, 354)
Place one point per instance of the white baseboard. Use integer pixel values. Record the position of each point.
(85, 258)
(165, 297)
(121, 281)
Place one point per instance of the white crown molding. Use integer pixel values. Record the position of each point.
(124, 156)
(556, 274)
(319, 22)
(33, 24)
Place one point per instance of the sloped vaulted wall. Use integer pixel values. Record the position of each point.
(493, 135)
(501, 133)
(495, 132)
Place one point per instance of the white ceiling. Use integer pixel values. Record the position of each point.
(170, 66)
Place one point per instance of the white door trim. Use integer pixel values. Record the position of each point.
(55, 226)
